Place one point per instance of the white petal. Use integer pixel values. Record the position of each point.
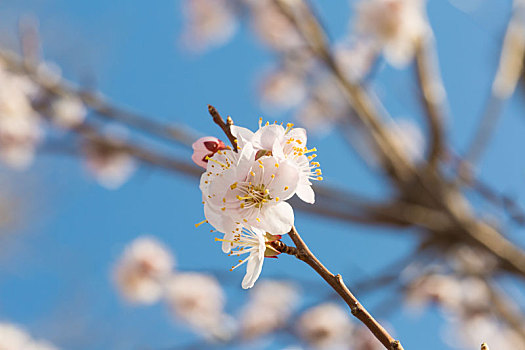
(242, 135)
(253, 270)
(278, 219)
(265, 136)
(277, 150)
(227, 246)
(297, 134)
(306, 193)
(285, 182)
(245, 161)
(219, 221)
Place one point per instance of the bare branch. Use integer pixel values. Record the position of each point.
(302, 252)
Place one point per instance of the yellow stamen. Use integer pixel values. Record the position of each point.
(200, 223)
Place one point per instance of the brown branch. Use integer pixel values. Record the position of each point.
(98, 103)
(431, 93)
(225, 126)
(302, 252)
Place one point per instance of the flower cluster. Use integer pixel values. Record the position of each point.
(245, 192)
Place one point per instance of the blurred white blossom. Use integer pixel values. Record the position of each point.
(282, 88)
(110, 165)
(272, 27)
(142, 270)
(20, 130)
(469, 260)
(470, 332)
(363, 339)
(441, 289)
(198, 300)
(208, 23)
(270, 306)
(325, 106)
(326, 326)
(13, 337)
(355, 59)
(68, 112)
(393, 26)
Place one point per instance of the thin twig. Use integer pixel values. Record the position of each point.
(225, 126)
(302, 252)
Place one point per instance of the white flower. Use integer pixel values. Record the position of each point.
(237, 188)
(254, 242)
(394, 26)
(288, 144)
(198, 300)
(68, 112)
(142, 270)
(325, 326)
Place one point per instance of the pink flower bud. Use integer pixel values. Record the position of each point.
(204, 147)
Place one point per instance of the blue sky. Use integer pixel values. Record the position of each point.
(55, 267)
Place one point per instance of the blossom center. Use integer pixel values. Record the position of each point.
(254, 195)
